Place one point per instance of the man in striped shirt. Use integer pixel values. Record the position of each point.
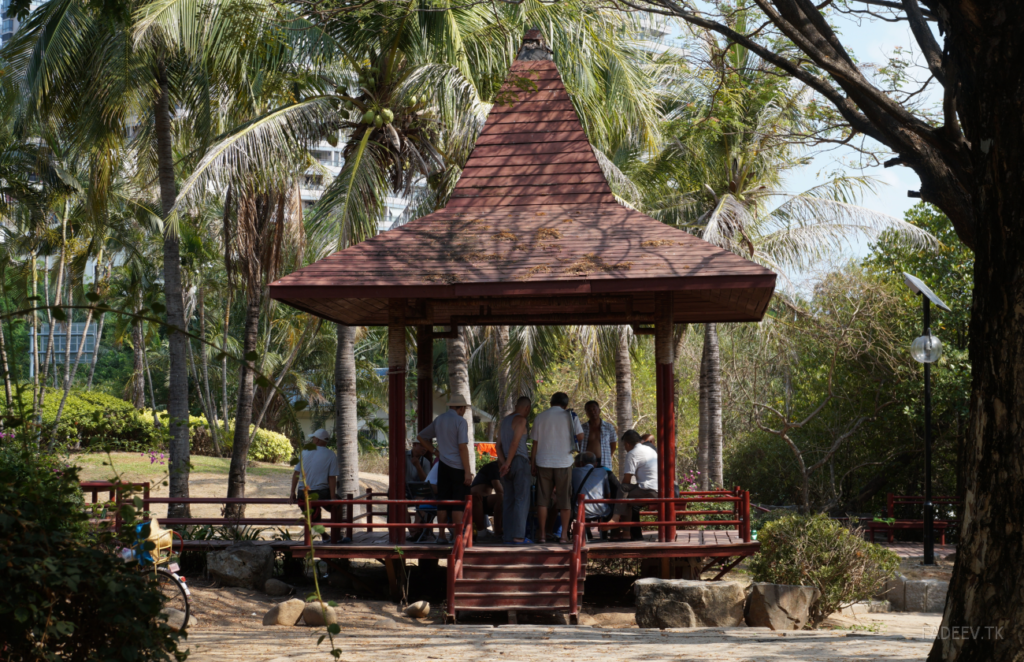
(599, 435)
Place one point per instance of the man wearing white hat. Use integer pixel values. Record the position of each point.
(453, 470)
(320, 467)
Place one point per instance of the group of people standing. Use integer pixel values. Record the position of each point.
(503, 488)
(549, 465)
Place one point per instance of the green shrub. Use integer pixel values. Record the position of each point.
(267, 445)
(93, 420)
(66, 595)
(821, 552)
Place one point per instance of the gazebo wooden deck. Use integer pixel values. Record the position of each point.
(533, 235)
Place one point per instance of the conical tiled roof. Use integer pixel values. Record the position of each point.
(533, 152)
(532, 234)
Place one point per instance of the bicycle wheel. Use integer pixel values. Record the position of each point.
(176, 601)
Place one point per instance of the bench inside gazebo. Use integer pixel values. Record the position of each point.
(533, 235)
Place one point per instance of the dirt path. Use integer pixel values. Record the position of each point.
(390, 639)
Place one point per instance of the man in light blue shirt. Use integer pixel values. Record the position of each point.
(454, 476)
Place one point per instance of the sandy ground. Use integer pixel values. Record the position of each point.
(372, 637)
(230, 628)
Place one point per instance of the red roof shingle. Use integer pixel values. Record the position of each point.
(532, 234)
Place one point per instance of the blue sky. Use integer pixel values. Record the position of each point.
(871, 42)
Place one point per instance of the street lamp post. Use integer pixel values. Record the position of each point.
(927, 349)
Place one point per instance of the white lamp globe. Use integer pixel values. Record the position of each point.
(926, 349)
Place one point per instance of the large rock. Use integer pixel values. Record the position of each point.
(318, 613)
(895, 593)
(419, 609)
(285, 613)
(243, 564)
(780, 606)
(927, 595)
(682, 603)
(277, 588)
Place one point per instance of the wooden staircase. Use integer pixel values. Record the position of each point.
(513, 579)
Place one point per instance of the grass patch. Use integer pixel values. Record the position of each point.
(138, 467)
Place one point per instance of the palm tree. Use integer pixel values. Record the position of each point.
(720, 174)
(85, 66)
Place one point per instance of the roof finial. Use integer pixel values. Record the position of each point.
(533, 47)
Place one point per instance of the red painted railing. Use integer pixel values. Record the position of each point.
(576, 562)
(463, 541)
(740, 511)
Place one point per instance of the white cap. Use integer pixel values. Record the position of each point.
(320, 434)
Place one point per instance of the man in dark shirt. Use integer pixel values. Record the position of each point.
(488, 497)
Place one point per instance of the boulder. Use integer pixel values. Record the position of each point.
(285, 613)
(683, 603)
(318, 613)
(243, 564)
(780, 606)
(277, 588)
(927, 595)
(895, 593)
(419, 609)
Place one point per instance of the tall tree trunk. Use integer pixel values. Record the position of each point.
(74, 368)
(177, 392)
(209, 404)
(204, 402)
(714, 399)
(702, 421)
(6, 369)
(152, 393)
(96, 350)
(506, 397)
(623, 390)
(458, 383)
(139, 373)
(346, 419)
(49, 344)
(224, 360)
(986, 594)
(81, 348)
(35, 333)
(243, 411)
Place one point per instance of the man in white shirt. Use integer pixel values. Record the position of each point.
(642, 464)
(454, 475)
(555, 433)
(316, 472)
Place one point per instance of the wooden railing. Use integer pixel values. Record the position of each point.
(740, 512)
(115, 497)
(463, 541)
(350, 523)
(576, 562)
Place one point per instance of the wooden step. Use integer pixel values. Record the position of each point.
(512, 600)
(519, 584)
(538, 557)
(517, 571)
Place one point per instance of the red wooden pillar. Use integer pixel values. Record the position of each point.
(664, 351)
(396, 416)
(424, 376)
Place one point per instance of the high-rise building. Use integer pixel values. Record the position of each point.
(10, 24)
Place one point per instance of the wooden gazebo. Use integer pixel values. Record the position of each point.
(532, 235)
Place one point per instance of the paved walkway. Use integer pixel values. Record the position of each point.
(473, 643)
(916, 549)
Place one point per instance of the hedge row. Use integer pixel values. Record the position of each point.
(94, 420)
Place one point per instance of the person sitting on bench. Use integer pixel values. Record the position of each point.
(488, 498)
(642, 464)
(592, 482)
